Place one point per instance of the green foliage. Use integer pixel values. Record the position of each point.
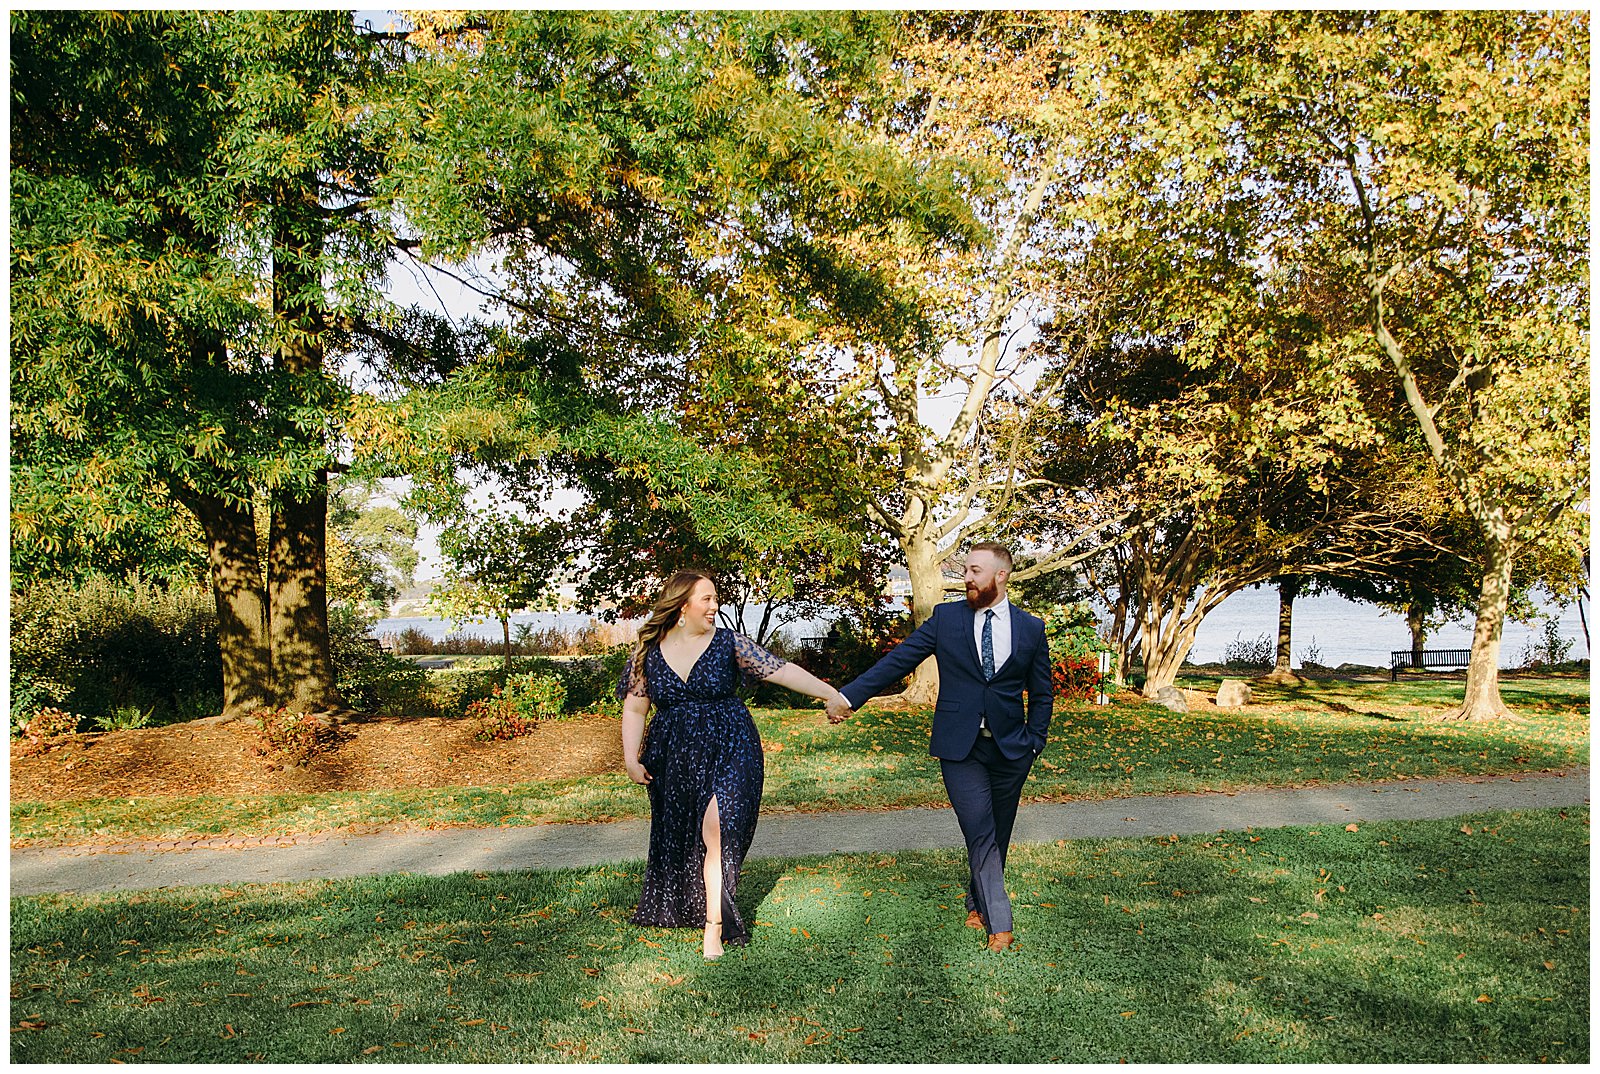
(589, 683)
(855, 641)
(1258, 654)
(290, 738)
(1075, 647)
(99, 645)
(370, 679)
(541, 696)
(372, 551)
(1549, 648)
(126, 718)
(516, 706)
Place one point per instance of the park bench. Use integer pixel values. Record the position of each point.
(1426, 660)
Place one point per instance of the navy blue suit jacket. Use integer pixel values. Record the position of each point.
(964, 696)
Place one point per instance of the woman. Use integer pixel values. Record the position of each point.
(701, 760)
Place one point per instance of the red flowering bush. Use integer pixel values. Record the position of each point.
(1075, 648)
(45, 728)
(515, 708)
(290, 738)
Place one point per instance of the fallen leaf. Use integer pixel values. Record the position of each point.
(1485, 999)
(374, 1048)
(1352, 827)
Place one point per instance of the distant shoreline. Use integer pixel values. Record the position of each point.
(1344, 631)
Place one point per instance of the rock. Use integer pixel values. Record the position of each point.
(1232, 694)
(1170, 697)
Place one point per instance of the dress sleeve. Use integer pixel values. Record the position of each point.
(754, 661)
(632, 683)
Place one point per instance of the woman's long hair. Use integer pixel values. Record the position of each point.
(669, 604)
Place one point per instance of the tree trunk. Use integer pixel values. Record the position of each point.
(241, 603)
(505, 630)
(1417, 623)
(297, 548)
(1288, 589)
(1481, 700)
(1121, 639)
(297, 590)
(1164, 652)
(923, 563)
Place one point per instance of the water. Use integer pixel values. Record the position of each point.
(1348, 632)
(1345, 632)
(437, 629)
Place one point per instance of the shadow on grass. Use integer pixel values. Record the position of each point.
(1440, 941)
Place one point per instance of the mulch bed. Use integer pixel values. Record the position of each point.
(195, 759)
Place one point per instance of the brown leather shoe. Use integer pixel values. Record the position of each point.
(1000, 941)
(975, 921)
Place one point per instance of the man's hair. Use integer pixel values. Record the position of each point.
(1000, 551)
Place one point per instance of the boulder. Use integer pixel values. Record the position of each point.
(1170, 697)
(1232, 694)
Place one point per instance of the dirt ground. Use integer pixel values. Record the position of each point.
(194, 759)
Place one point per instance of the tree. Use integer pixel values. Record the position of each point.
(496, 564)
(1008, 102)
(1437, 165)
(372, 551)
(664, 193)
(192, 195)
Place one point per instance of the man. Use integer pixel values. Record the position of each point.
(989, 652)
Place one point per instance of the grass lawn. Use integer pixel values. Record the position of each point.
(1323, 732)
(1432, 941)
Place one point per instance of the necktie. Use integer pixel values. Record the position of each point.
(988, 644)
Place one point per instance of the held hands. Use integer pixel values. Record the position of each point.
(838, 708)
(636, 772)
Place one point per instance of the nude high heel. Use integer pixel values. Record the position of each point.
(712, 946)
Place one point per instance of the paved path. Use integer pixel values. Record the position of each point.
(231, 860)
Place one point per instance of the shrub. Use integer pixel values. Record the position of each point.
(29, 695)
(539, 695)
(370, 679)
(1258, 654)
(47, 726)
(126, 718)
(500, 716)
(517, 707)
(290, 738)
(1075, 648)
(1311, 658)
(452, 692)
(855, 641)
(412, 640)
(100, 645)
(590, 682)
(1550, 649)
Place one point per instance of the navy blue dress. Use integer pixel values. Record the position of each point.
(701, 742)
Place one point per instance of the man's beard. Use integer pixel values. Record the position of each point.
(982, 598)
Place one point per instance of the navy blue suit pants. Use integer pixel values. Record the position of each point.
(985, 788)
